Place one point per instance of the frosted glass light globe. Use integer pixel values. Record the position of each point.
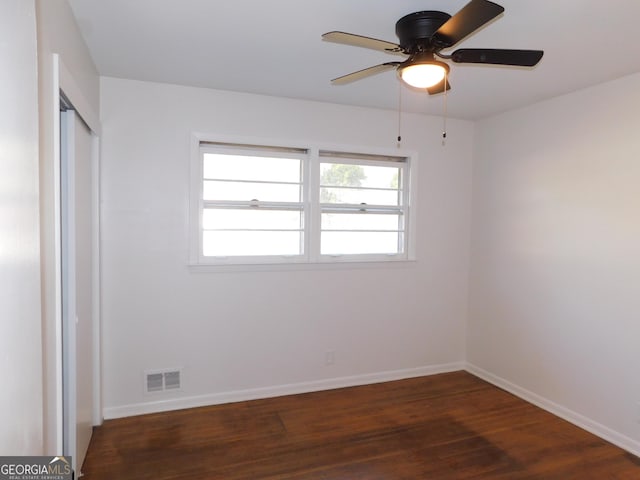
(423, 75)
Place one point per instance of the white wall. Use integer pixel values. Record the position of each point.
(555, 276)
(248, 330)
(20, 332)
(57, 33)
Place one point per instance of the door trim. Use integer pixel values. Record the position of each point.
(63, 81)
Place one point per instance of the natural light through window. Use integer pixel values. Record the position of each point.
(362, 208)
(265, 204)
(252, 205)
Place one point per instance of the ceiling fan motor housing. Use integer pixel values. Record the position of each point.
(416, 30)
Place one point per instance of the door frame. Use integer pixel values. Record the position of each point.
(69, 315)
(64, 86)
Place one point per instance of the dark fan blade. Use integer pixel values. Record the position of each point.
(360, 41)
(472, 16)
(352, 77)
(496, 56)
(439, 88)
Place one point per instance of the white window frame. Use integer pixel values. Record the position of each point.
(310, 202)
(377, 160)
(265, 152)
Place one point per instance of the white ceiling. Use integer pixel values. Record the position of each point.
(274, 48)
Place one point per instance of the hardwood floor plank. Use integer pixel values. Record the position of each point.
(441, 427)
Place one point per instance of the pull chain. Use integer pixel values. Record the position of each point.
(399, 113)
(444, 119)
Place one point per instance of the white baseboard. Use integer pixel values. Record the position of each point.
(277, 390)
(618, 439)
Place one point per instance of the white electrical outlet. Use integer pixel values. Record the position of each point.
(329, 357)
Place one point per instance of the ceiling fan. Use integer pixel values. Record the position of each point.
(423, 35)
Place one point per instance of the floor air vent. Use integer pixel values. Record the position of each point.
(161, 381)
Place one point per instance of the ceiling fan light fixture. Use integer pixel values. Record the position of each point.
(423, 73)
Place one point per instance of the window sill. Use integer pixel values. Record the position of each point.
(302, 266)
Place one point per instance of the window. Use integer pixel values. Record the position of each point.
(263, 204)
(252, 202)
(362, 204)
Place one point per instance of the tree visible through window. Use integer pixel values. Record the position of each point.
(258, 205)
(340, 175)
(362, 205)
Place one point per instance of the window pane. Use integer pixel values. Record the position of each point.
(234, 243)
(254, 219)
(357, 196)
(360, 221)
(240, 191)
(339, 243)
(348, 175)
(239, 167)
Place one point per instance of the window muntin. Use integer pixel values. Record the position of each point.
(249, 167)
(356, 183)
(282, 205)
(243, 191)
(252, 219)
(338, 221)
(239, 231)
(254, 243)
(246, 177)
(338, 243)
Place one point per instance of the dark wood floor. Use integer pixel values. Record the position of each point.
(450, 426)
